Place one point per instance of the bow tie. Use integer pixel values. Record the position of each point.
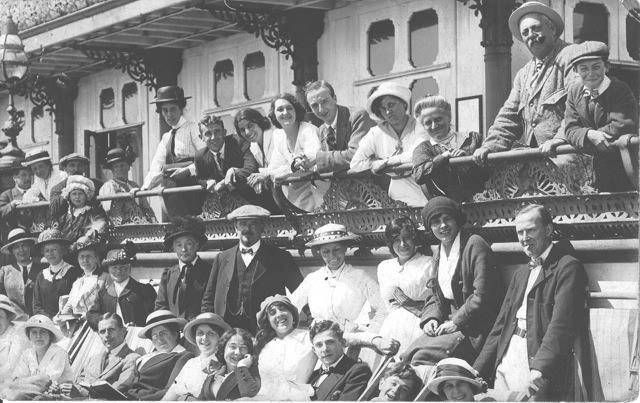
(325, 371)
(246, 250)
(535, 263)
(591, 93)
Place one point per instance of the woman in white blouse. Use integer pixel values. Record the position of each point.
(12, 339)
(295, 143)
(45, 176)
(285, 357)
(392, 141)
(403, 281)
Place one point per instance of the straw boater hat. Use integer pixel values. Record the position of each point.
(456, 369)
(589, 50)
(248, 211)
(534, 7)
(72, 157)
(16, 236)
(264, 307)
(116, 155)
(331, 233)
(7, 306)
(171, 93)
(79, 182)
(50, 235)
(44, 322)
(160, 317)
(389, 88)
(208, 318)
(126, 255)
(34, 156)
(185, 226)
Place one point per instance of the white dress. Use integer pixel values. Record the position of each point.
(190, 379)
(411, 278)
(13, 343)
(301, 194)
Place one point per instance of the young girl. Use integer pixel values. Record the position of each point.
(41, 364)
(84, 216)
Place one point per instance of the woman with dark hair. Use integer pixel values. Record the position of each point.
(403, 281)
(466, 290)
(285, 357)
(295, 145)
(238, 376)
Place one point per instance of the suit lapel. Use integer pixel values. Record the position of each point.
(229, 383)
(327, 387)
(342, 127)
(114, 362)
(260, 267)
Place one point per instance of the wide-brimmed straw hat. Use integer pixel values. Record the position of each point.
(389, 88)
(208, 318)
(264, 307)
(456, 369)
(79, 182)
(50, 235)
(331, 233)
(34, 156)
(170, 93)
(72, 157)
(16, 236)
(160, 317)
(126, 255)
(44, 322)
(7, 306)
(534, 7)
(188, 225)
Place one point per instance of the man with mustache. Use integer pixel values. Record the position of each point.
(532, 116)
(530, 348)
(245, 275)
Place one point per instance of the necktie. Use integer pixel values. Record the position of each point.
(593, 94)
(535, 263)
(173, 141)
(330, 138)
(217, 157)
(25, 274)
(105, 361)
(181, 284)
(245, 251)
(536, 73)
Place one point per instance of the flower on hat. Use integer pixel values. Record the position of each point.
(125, 255)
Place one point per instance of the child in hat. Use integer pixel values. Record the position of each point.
(600, 110)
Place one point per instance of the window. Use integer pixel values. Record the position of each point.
(130, 103)
(108, 116)
(41, 125)
(633, 34)
(423, 36)
(381, 47)
(590, 23)
(254, 76)
(422, 87)
(223, 79)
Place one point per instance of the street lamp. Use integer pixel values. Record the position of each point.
(14, 64)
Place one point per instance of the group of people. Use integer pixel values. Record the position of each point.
(233, 329)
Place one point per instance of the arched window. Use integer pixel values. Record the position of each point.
(423, 36)
(382, 47)
(254, 76)
(422, 87)
(590, 23)
(223, 82)
(108, 116)
(130, 103)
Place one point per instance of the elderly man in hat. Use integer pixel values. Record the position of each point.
(533, 114)
(182, 286)
(245, 275)
(10, 198)
(46, 176)
(530, 348)
(176, 149)
(392, 141)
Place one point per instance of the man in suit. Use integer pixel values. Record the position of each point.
(116, 365)
(530, 346)
(245, 275)
(182, 286)
(341, 130)
(339, 377)
(131, 300)
(10, 198)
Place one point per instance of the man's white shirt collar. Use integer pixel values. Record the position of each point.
(603, 85)
(334, 124)
(253, 247)
(193, 262)
(117, 350)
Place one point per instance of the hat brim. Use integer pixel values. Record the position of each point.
(528, 8)
(292, 308)
(107, 164)
(114, 262)
(332, 239)
(190, 328)
(38, 246)
(161, 101)
(202, 238)
(27, 164)
(6, 248)
(403, 95)
(9, 309)
(57, 334)
(181, 322)
(435, 383)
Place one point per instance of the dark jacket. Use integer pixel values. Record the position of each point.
(10, 217)
(555, 312)
(242, 382)
(345, 382)
(615, 113)
(275, 270)
(46, 294)
(153, 379)
(350, 129)
(237, 154)
(195, 290)
(136, 302)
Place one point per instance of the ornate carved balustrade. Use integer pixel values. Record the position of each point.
(353, 199)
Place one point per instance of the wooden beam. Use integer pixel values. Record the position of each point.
(217, 29)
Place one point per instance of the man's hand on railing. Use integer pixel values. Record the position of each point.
(454, 152)
(180, 174)
(548, 149)
(480, 156)
(133, 192)
(601, 140)
(378, 165)
(257, 178)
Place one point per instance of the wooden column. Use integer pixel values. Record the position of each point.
(65, 97)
